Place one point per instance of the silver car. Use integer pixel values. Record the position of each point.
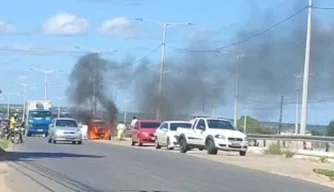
(64, 129)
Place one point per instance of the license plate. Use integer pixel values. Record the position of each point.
(40, 130)
(70, 137)
(235, 143)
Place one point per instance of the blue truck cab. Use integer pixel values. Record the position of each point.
(38, 120)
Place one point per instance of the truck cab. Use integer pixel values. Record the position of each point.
(38, 118)
(212, 134)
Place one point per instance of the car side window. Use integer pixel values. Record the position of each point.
(194, 124)
(164, 126)
(201, 124)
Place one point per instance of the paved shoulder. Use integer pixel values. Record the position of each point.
(96, 167)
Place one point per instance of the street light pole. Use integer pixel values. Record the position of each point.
(25, 87)
(304, 107)
(46, 72)
(297, 104)
(162, 61)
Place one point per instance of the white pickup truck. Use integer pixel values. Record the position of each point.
(212, 134)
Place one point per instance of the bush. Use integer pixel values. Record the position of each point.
(325, 172)
(274, 149)
(288, 154)
(3, 145)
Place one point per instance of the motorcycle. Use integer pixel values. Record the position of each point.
(16, 135)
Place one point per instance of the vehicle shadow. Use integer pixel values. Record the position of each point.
(22, 156)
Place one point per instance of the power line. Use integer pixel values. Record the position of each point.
(249, 38)
(149, 54)
(323, 8)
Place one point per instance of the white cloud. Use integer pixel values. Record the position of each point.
(65, 24)
(117, 27)
(6, 27)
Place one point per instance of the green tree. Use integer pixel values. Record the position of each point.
(252, 125)
(330, 128)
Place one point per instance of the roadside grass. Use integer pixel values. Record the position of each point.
(326, 172)
(277, 149)
(4, 144)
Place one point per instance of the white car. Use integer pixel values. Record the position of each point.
(166, 134)
(65, 129)
(212, 134)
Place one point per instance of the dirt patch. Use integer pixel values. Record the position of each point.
(290, 167)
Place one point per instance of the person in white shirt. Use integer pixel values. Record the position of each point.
(133, 122)
(120, 130)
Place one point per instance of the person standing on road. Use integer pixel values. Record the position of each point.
(120, 130)
(133, 122)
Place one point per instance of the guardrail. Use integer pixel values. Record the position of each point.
(320, 139)
(302, 138)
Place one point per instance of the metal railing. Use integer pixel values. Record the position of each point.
(326, 142)
(321, 139)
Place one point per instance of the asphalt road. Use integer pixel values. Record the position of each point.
(97, 167)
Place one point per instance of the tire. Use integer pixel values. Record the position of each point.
(156, 144)
(74, 142)
(132, 143)
(168, 143)
(79, 142)
(210, 146)
(242, 153)
(183, 146)
(49, 140)
(54, 142)
(140, 143)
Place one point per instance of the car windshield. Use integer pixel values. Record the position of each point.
(220, 124)
(66, 123)
(40, 114)
(149, 125)
(174, 126)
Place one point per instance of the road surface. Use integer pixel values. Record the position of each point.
(97, 167)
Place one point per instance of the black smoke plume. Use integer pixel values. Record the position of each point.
(81, 89)
(193, 82)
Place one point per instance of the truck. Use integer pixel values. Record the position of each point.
(38, 117)
(212, 134)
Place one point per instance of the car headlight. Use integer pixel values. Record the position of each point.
(58, 132)
(145, 133)
(246, 139)
(220, 136)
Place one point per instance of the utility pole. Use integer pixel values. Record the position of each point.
(280, 116)
(236, 100)
(94, 91)
(245, 124)
(162, 62)
(297, 104)
(304, 107)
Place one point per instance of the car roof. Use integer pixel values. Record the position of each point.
(65, 118)
(148, 120)
(176, 122)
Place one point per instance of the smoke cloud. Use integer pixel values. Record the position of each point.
(82, 82)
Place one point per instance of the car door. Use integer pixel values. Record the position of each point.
(162, 137)
(191, 133)
(199, 132)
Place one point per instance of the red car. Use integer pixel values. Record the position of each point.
(143, 131)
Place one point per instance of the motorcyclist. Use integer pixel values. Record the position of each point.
(13, 122)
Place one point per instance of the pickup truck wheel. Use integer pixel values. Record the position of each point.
(156, 143)
(183, 146)
(132, 143)
(210, 145)
(242, 153)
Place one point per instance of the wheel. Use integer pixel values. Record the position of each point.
(156, 143)
(242, 153)
(210, 146)
(183, 146)
(140, 143)
(133, 143)
(74, 142)
(79, 142)
(54, 141)
(49, 140)
(168, 144)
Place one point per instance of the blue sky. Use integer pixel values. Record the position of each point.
(216, 18)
